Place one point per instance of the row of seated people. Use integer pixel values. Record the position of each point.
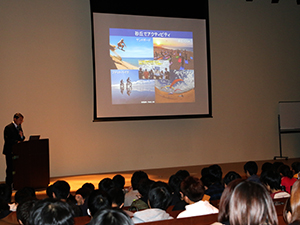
(147, 200)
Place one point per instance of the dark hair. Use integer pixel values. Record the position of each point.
(159, 195)
(24, 193)
(286, 171)
(18, 115)
(251, 203)
(111, 217)
(117, 196)
(296, 167)
(5, 193)
(24, 208)
(119, 181)
(193, 188)
(90, 186)
(105, 184)
(223, 215)
(84, 192)
(272, 178)
(51, 211)
(251, 167)
(136, 177)
(230, 176)
(182, 174)
(98, 200)
(61, 189)
(215, 172)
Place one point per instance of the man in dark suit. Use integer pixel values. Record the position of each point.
(13, 134)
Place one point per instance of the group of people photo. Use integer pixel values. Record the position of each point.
(234, 198)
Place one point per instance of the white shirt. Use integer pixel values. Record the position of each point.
(198, 209)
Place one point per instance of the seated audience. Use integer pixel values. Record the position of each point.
(287, 179)
(24, 209)
(81, 197)
(6, 215)
(159, 199)
(251, 169)
(223, 216)
(293, 216)
(174, 183)
(133, 193)
(61, 190)
(119, 182)
(143, 189)
(193, 191)
(51, 211)
(111, 217)
(272, 180)
(98, 200)
(215, 188)
(296, 169)
(251, 203)
(230, 176)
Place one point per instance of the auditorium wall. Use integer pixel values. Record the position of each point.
(46, 74)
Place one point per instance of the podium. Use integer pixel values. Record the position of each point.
(31, 164)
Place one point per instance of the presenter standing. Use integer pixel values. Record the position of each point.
(13, 134)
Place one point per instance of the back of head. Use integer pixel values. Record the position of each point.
(251, 167)
(24, 208)
(230, 176)
(24, 193)
(51, 211)
(296, 167)
(111, 217)
(105, 184)
(5, 193)
(295, 201)
(119, 181)
(272, 178)
(98, 200)
(193, 188)
(117, 196)
(159, 195)
(251, 203)
(215, 172)
(136, 177)
(61, 189)
(286, 171)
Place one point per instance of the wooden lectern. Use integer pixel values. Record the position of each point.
(31, 164)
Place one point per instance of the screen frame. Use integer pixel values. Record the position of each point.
(200, 13)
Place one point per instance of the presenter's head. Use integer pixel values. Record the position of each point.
(18, 119)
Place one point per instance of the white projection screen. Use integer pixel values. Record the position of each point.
(150, 65)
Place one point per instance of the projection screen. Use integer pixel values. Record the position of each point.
(150, 66)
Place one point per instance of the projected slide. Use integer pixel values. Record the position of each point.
(153, 66)
(147, 67)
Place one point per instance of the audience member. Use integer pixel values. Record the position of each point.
(230, 176)
(223, 216)
(296, 169)
(133, 192)
(271, 180)
(81, 197)
(117, 197)
(251, 169)
(98, 200)
(143, 189)
(159, 199)
(119, 181)
(287, 179)
(24, 209)
(51, 211)
(294, 217)
(6, 215)
(111, 217)
(193, 191)
(250, 203)
(215, 188)
(106, 184)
